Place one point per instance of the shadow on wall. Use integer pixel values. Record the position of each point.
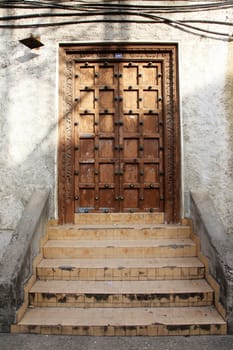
(27, 155)
(29, 128)
(207, 135)
(28, 132)
(229, 110)
(7, 76)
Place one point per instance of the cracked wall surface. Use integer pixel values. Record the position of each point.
(29, 107)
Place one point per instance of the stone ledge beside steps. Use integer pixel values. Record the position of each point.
(217, 246)
(16, 263)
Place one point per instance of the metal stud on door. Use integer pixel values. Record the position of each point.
(118, 138)
(119, 113)
(141, 136)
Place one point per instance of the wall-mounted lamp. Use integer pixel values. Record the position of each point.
(33, 42)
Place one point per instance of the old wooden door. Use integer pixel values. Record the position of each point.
(119, 145)
(119, 131)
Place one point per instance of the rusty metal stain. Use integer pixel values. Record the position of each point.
(98, 297)
(62, 299)
(48, 295)
(66, 268)
(178, 328)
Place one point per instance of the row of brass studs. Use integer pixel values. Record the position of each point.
(118, 148)
(120, 123)
(120, 173)
(110, 88)
(106, 111)
(117, 198)
(106, 64)
(96, 75)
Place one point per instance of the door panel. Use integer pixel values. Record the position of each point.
(95, 135)
(119, 130)
(141, 136)
(118, 139)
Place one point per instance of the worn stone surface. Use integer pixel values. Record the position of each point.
(216, 246)
(16, 263)
(5, 238)
(29, 108)
(45, 342)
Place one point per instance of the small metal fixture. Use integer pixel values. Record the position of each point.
(32, 42)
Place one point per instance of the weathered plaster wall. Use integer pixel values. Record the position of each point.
(207, 125)
(217, 248)
(16, 263)
(29, 110)
(28, 120)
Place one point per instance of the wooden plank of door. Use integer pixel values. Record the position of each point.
(85, 137)
(107, 87)
(152, 135)
(129, 132)
(141, 136)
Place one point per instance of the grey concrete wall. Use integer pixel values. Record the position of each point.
(29, 105)
(5, 238)
(216, 246)
(16, 263)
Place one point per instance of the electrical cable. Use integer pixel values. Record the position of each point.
(115, 12)
(83, 4)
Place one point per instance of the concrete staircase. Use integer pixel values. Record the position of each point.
(121, 275)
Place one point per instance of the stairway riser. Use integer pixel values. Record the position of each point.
(121, 218)
(122, 234)
(120, 300)
(150, 330)
(169, 251)
(125, 308)
(121, 274)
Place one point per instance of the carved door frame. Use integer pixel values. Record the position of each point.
(168, 55)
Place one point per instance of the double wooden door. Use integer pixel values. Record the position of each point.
(119, 144)
(119, 148)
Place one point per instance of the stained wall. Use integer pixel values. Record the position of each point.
(29, 103)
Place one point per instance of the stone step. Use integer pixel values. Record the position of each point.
(119, 248)
(124, 218)
(121, 269)
(121, 293)
(122, 321)
(118, 231)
